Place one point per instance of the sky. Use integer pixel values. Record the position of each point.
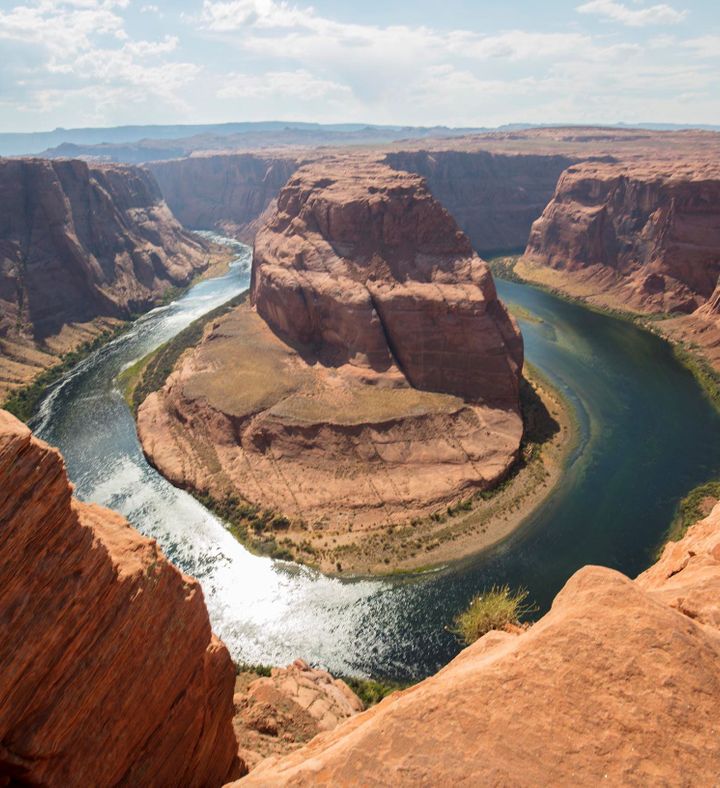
(410, 62)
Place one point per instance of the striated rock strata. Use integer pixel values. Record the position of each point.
(376, 379)
(643, 235)
(78, 242)
(110, 672)
(619, 683)
(228, 192)
(495, 198)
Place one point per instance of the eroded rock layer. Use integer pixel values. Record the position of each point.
(79, 242)
(110, 673)
(495, 198)
(642, 235)
(376, 380)
(228, 192)
(362, 265)
(619, 683)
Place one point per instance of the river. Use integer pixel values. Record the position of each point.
(647, 435)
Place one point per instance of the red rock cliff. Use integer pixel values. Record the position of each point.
(109, 673)
(618, 684)
(79, 241)
(228, 192)
(360, 263)
(646, 235)
(495, 198)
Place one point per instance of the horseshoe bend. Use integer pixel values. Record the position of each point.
(371, 379)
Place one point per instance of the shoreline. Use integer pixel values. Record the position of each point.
(453, 532)
(689, 356)
(23, 400)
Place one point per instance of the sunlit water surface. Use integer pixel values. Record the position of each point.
(647, 435)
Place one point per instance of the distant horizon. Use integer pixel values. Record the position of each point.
(659, 125)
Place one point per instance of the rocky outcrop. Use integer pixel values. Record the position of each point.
(495, 198)
(110, 672)
(619, 683)
(361, 264)
(278, 713)
(643, 235)
(79, 242)
(376, 380)
(227, 192)
(699, 330)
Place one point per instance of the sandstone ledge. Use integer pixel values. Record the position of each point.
(619, 684)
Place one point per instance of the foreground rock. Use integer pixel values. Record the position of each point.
(278, 713)
(110, 673)
(643, 236)
(376, 380)
(80, 242)
(619, 683)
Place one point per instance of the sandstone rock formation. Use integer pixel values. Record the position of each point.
(376, 381)
(276, 714)
(494, 197)
(619, 684)
(109, 671)
(643, 235)
(78, 242)
(228, 192)
(363, 266)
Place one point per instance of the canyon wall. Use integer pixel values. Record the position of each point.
(226, 192)
(495, 198)
(110, 672)
(79, 242)
(618, 684)
(643, 235)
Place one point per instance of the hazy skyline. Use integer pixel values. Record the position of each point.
(112, 62)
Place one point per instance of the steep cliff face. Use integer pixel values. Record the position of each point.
(110, 673)
(376, 380)
(644, 236)
(495, 198)
(369, 270)
(618, 683)
(77, 243)
(228, 192)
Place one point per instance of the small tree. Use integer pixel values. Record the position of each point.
(493, 609)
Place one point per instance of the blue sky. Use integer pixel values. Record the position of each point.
(426, 62)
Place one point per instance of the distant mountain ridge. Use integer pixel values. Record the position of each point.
(29, 143)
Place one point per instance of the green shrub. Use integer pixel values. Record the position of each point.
(371, 691)
(493, 609)
(690, 509)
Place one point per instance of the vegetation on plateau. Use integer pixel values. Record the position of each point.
(23, 402)
(497, 608)
(150, 373)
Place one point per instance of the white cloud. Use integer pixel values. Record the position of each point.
(299, 84)
(661, 14)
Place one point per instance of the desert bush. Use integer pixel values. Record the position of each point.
(493, 609)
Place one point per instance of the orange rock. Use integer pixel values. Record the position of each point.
(377, 380)
(109, 672)
(642, 235)
(361, 264)
(618, 684)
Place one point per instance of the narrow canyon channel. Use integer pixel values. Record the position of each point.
(646, 436)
